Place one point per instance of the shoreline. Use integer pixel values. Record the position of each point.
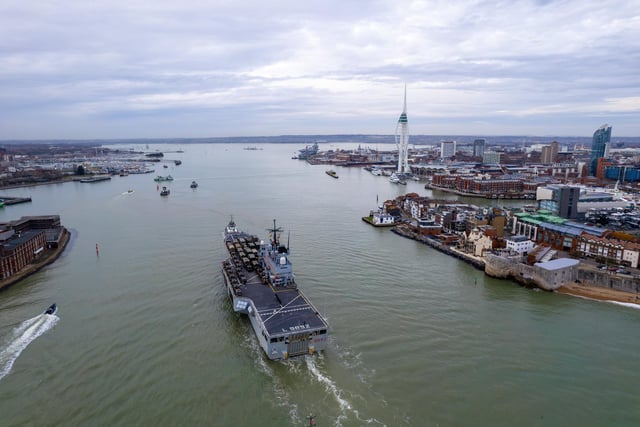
(598, 293)
(572, 289)
(37, 266)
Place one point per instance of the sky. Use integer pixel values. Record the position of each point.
(77, 69)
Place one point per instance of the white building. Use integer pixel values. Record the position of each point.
(447, 149)
(519, 244)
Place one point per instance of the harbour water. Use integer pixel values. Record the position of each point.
(145, 334)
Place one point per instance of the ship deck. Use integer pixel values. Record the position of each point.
(281, 311)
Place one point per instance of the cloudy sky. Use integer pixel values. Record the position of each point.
(201, 68)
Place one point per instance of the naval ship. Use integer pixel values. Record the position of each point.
(260, 281)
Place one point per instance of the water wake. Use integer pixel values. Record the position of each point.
(21, 337)
(346, 408)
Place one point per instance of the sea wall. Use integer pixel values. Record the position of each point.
(404, 232)
(605, 279)
(511, 267)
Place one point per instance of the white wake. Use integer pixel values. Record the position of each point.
(21, 337)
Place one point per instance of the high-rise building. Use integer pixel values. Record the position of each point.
(447, 149)
(561, 200)
(402, 138)
(478, 147)
(599, 146)
(550, 152)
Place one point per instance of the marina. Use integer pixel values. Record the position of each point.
(157, 313)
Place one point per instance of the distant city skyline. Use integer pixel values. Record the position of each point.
(143, 69)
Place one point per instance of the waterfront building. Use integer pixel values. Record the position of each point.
(478, 148)
(24, 240)
(550, 230)
(519, 244)
(553, 274)
(599, 146)
(447, 149)
(402, 138)
(609, 250)
(17, 250)
(478, 240)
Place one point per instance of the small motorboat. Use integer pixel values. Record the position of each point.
(165, 191)
(194, 184)
(52, 309)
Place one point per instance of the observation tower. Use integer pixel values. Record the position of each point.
(402, 138)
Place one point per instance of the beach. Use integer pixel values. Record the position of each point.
(598, 293)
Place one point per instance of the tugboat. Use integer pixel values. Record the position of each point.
(165, 191)
(261, 284)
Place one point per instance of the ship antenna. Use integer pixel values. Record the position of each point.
(288, 238)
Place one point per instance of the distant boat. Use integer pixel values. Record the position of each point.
(165, 191)
(194, 184)
(332, 173)
(96, 179)
(177, 162)
(165, 166)
(395, 179)
(52, 309)
(163, 178)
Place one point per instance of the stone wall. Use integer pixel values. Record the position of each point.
(528, 275)
(605, 279)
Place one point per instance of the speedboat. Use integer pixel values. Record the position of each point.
(52, 309)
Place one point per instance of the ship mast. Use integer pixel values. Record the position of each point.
(274, 231)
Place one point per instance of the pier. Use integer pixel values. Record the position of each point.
(14, 200)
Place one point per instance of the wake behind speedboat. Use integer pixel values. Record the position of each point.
(52, 309)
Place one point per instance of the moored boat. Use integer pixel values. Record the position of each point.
(261, 284)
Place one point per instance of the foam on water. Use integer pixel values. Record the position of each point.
(282, 398)
(21, 337)
(626, 304)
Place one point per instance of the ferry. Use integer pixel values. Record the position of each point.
(259, 279)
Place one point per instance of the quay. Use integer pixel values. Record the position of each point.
(14, 200)
(483, 195)
(403, 231)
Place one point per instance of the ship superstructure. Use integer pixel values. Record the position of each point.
(260, 281)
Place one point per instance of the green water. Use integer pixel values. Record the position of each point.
(146, 335)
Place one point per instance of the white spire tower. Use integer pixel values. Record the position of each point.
(402, 138)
